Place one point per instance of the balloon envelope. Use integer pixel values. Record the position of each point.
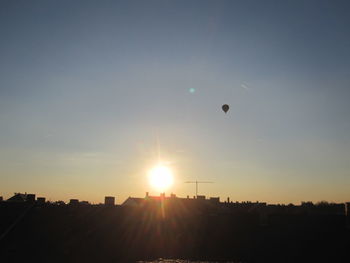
(225, 108)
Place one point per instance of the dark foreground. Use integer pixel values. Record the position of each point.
(51, 233)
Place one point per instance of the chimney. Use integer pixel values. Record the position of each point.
(228, 199)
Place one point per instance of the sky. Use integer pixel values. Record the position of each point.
(94, 93)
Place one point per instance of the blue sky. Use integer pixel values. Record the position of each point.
(88, 89)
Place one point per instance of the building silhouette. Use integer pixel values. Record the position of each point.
(74, 201)
(41, 200)
(109, 200)
(347, 209)
(19, 197)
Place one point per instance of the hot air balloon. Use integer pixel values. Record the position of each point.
(225, 108)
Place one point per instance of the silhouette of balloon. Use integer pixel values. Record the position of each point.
(225, 108)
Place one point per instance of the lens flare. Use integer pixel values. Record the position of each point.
(192, 90)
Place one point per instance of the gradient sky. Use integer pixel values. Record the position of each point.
(90, 89)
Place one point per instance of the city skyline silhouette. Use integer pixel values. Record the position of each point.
(171, 229)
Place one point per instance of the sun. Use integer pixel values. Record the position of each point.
(161, 177)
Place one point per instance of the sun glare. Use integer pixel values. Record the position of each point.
(160, 177)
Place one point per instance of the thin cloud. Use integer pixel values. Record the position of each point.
(245, 86)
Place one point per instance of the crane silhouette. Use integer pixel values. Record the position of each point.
(198, 182)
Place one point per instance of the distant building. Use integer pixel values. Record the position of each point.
(59, 203)
(138, 202)
(347, 213)
(134, 201)
(74, 201)
(19, 198)
(30, 198)
(347, 209)
(214, 199)
(328, 208)
(109, 200)
(41, 200)
(1, 199)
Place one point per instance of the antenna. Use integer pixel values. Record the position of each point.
(198, 182)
